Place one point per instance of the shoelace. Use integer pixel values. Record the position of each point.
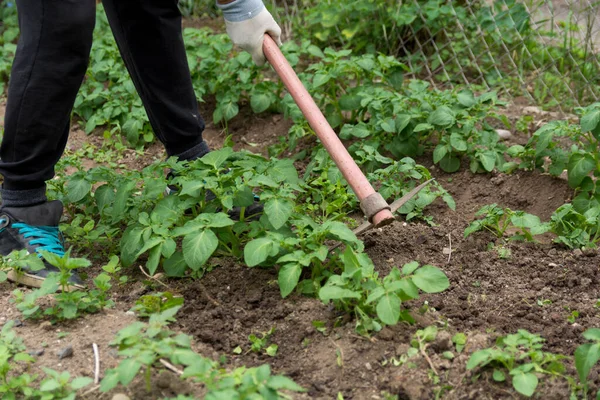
(46, 237)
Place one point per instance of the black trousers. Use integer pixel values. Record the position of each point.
(50, 63)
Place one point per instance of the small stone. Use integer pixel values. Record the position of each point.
(66, 352)
(120, 396)
(386, 334)
(163, 381)
(46, 325)
(130, 313)
(577, 253)
(36, 353)
(554, 265)
(442, 342)
(368, 366)
(533, 110)
(590, 252)
(503, 133)
(18, 323)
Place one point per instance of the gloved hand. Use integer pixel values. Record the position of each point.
(247, 21)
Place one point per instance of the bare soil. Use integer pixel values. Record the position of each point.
(488, 296)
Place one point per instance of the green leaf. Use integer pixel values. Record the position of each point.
(154, 259)
(80, 382)
(395, 78)
(375, 294)
(525, 383)
(278, 211)
(320, 79)
(450, 163)
(388, 125)
(110, 381)
(580, 165)
(440, 152)
(280, 382)
(288, 278)
(430, 279)
(216, 158)
(175, 265)
(198, 247)
(217, 220)
(168, 247)
(458, 142)
(77, 189)
(586, 356)
(487, 159)
(498, 376)
(423, 127)
(127, 370)
(466, 98)
(340, 231)
(589, 121)
(49, 385)
(257, 251)
(478, 358)
(592, 334)
(525, 220)
(443, 116)
(410, 267)
(335, 293)
(388, 309)
(350, 102)
(260, 102)
(153, 242)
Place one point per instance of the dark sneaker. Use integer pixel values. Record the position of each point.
(33, 228)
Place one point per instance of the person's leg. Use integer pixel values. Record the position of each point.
(50, 62)
(149, 36)
(49, 65)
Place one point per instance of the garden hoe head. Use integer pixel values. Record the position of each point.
(373, 205)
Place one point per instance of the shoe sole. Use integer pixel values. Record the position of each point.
(30, 280)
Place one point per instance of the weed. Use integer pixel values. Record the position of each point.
(258, 344)
(522, 357)
(377, 301)
(143, 345)
(498, 220)
(586, 356)
(67, 304)
(156, 303)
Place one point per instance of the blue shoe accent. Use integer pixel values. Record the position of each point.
(45, 237)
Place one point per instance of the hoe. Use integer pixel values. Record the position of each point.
(373, 205)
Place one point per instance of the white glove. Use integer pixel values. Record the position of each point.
(247, 21)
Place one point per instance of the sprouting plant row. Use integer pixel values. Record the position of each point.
(556, 147)
(142, 346)
(130, 213)
(520, 357)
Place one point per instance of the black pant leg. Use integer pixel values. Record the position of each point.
(50, 62)
(149, 36)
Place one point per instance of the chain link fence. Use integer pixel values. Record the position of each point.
(544, 50)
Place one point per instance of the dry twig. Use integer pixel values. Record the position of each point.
(96, 364)
(170, 366)
(205, 292)
(153, 278)
(424, 354)
(450, 246)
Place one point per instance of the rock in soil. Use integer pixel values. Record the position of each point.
(120, 396)
(66, 352)
(36, 353)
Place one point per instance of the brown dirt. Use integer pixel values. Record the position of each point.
(488, 296)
